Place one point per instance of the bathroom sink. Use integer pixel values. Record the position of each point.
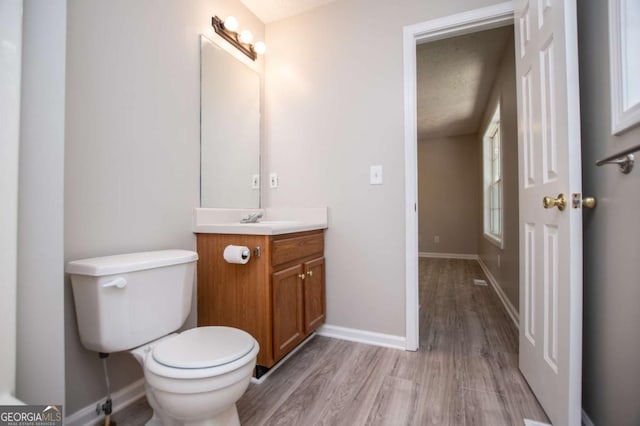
(263, 227)
(274, 223)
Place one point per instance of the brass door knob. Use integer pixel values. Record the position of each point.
(310, 273)
(550, 202)
(301, 276)
(589, 202)
(586, 202)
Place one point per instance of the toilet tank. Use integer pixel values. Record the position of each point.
(127, 300)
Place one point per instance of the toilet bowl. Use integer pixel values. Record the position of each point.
(196, 377)
(137, 301)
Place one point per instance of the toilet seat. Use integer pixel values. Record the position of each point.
(243, 348)
(203, 347)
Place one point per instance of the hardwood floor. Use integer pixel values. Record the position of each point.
(465, 373)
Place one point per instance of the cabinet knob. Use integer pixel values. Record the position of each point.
(301, 276)
(310, 273)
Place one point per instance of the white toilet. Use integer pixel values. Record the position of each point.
(134, 302)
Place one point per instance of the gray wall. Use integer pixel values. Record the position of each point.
(448, 194)
(132, 147)
(611, 343)
(505, 269)
(334, 106)
(40, 342)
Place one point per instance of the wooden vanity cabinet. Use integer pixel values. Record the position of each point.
(277, 297)
(288, 310)
(314, 298)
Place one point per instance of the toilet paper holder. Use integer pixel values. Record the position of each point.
(240, 255)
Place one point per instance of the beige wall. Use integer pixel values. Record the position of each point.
(611, 371)
(10, 73)
(132, 146)
(335, 105)
(505, 269)
(448, 195)
(40, 275)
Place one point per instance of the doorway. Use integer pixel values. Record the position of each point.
(550, 263)
(467, 152)
(451, 26)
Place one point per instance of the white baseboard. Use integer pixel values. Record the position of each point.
(586, 421)
(120, 399)
(511, 310)
(529, 422)
(363, 336)
(462, 256)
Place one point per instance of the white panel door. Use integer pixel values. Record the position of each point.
(550, 238)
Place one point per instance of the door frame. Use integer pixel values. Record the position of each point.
(436, 29)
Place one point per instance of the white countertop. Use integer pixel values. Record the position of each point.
(275, 221)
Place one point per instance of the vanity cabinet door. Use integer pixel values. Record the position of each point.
(236, 295)
(288, 315)
(314, 298)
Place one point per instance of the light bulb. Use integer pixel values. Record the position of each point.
(260, 48)
(246, 37)
(231, 23)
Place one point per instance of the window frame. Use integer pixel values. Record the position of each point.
(493, 129)
(625, 113)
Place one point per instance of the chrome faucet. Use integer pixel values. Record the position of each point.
(251, 217)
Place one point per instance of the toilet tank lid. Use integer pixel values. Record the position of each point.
(123, 263)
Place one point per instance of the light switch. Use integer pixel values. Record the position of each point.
(375, 175)
(255, 182)
(273, 180)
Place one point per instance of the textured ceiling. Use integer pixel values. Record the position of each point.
(274, 10)
(454, 78)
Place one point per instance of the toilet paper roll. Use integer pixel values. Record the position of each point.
(236, 254)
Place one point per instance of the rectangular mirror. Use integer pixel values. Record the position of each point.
(229, 130)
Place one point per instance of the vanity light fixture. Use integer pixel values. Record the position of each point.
(242, 41)
(231, 23)
(260, 48)
(246, 37)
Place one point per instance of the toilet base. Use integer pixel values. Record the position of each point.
(228, 417)
(154, 421)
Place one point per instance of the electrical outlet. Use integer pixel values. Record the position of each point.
(255, 182)
(436, 239)
(273, 180)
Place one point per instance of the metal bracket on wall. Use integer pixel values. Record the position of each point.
(624, 159)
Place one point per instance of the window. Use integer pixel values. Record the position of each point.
(624, 36)
(492, 171)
